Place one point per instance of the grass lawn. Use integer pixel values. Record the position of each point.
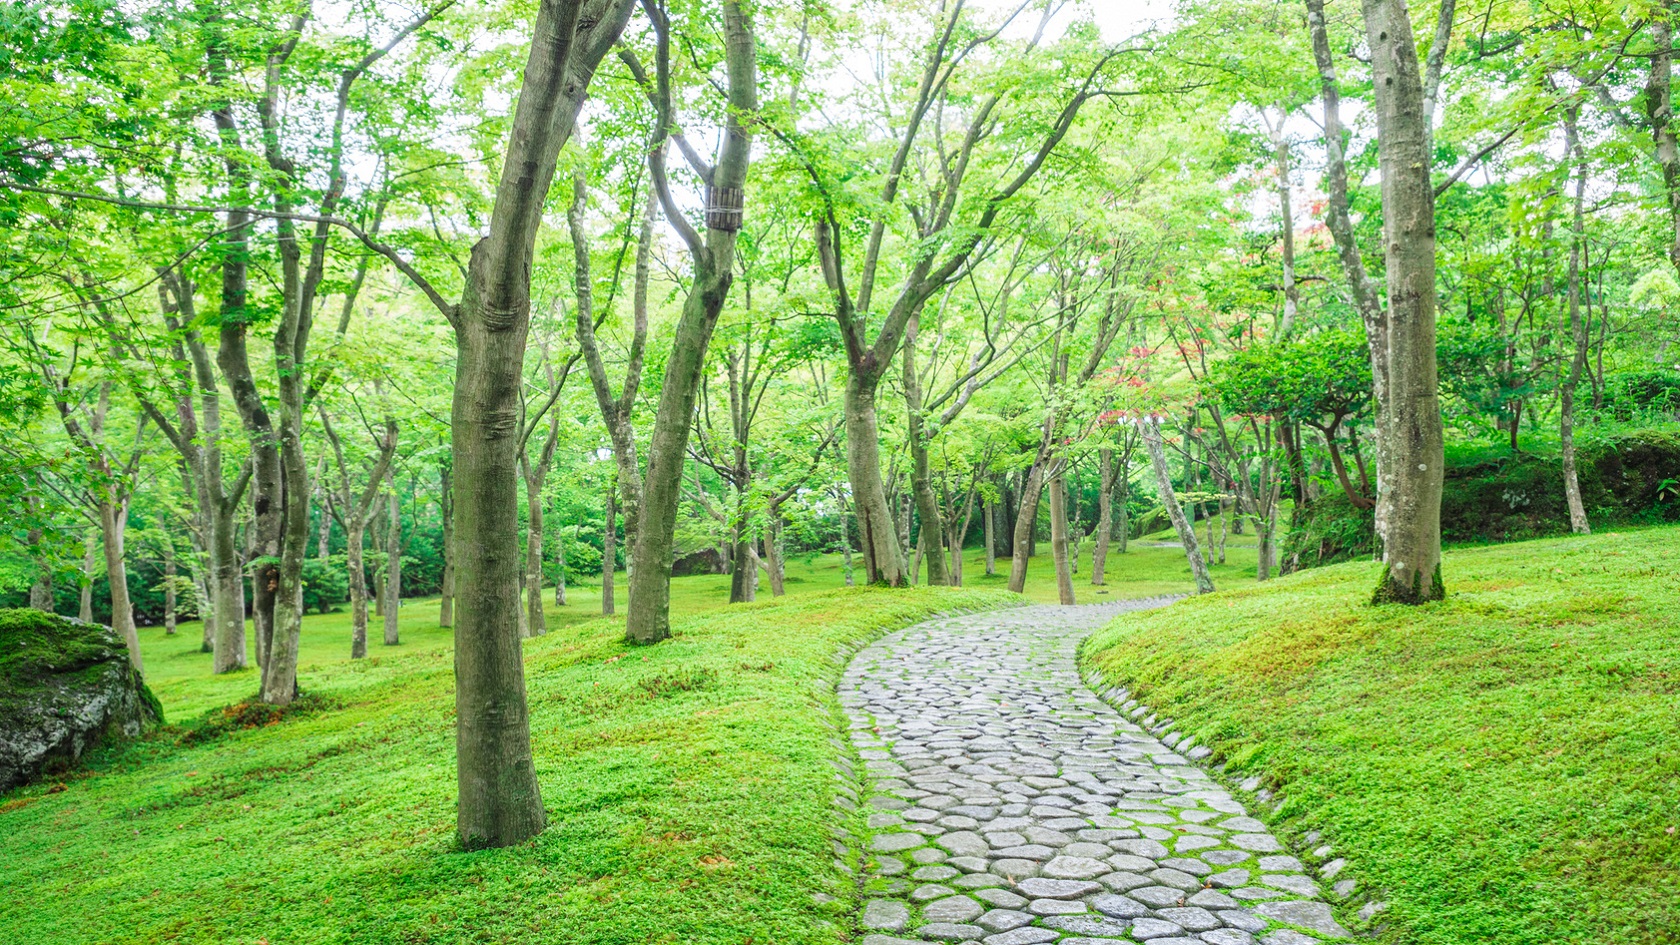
(1501, 767)
(688, 787)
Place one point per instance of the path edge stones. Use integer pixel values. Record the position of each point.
(851, 777)
(1312, 848)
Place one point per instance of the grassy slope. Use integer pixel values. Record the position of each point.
(1501, 766)
(688, 786)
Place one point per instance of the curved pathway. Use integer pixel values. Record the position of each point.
(1012, 806)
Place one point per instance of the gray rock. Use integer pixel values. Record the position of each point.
(1001, 898)
(1122, 882)
(930, 892)
(1120, 907)
(1225, 857)
(1230, 879)
(950, 932)
(1191, 918)
(1159, 897)
(1091, 925)
(1146, 929)
(1255, 842)
(1021, 937)
(1241, 919)
(1288, 937)
(1211, 899)
(1227, 937)
(1329, 870)
(1313, 916)
(964, 843)
(952, 909)
(1175, 879)
(68, 686)
(1003, 920)
(1039, 888)
(1056, 907)
(896, 842)
(933, 874)
(1299, 885)
(886, 915)
(1280, 864)
(1074, 867)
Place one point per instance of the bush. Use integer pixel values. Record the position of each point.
(1631, 478)
(326, 583)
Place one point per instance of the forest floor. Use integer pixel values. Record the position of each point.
(1496, 767)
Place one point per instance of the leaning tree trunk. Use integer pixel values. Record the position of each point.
(393, 567)
(536, 623)
(649, 620)
(1059, 538)
(1411, 424)
(1105, 516)
(113, 520)
(1181, 524)
(90, 560)
(1578, 335)
(1026, 521)
(883, 558)
(357, 568)
(609, 551)
(227, 611)
(446, 604)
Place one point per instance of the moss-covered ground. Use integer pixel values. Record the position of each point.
(1499, 767)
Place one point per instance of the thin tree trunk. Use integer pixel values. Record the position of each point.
(609, 550)
(776, 565)
(354, 538)
(536, 623)
(743, 572)
(846, 540)
(1059, 538)
(1163, 482)
(1411, 459)
(1026, 520)
(393, 566)
(990, 511)
(1105, 515)
(1578, 334)
(446, 606)
(169, 574)
(90, 560)
(921, 478)
(883, 559)
(41, 591)
(113, 520)
(1122, 525)
(713, 257)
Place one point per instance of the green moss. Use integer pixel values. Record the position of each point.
(688, 786)
(1498, 766)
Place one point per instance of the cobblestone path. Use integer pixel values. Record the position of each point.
(1012, 806)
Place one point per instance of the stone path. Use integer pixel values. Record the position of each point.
(1012, 806)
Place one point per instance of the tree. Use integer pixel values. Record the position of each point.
(352, 510)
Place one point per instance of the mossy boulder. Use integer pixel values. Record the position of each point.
(65, 686)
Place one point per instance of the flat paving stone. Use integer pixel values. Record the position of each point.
(1033, 811)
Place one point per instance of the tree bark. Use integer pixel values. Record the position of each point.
(113, 521)
(90, 560)
(921, 477)
(1577, 330)
(1411, 430)
(1059, 538)
(393, 565)
(609, 551)
(1163, 483)
(713, 258)
(1105, 515)
(446, 493)
(1026, 520)
(499, 801)
(1339, 219)
(41, 590)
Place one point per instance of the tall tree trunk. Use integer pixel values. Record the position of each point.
(775, 563)
(1026, 520)
(1411, 425)
(1577, 331)
(226, 622)
(446, 492)
(609, 550)
(743, 572)
(989, 509)
(713, 257)
(846, 540)
(1659, 108)
(560, 571)
(169, 575)
(90, 561)
(355, 564)
(1339, 220)
(1105, 515)
(393, 566)
(1163, 483)
(536, 624)
(921, 477)
(1059, 537)
(113, 521)
(883, 559)
(41, 590)
(1122, 525)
